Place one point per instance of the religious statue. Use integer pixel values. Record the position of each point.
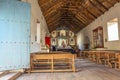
(63, 44)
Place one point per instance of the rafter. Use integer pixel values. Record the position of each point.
(118, 0)
(109, 2)
(102, 5)
(74, 14)
(47, 2)
(53, 8)
(97, 8)
(88, 11)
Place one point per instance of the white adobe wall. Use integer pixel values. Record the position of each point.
(113, 12)
(36, 13)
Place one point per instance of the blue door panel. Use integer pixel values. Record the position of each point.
(14, 34)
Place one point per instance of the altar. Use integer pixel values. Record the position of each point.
(62, 39)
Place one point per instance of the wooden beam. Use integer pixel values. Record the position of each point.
(54, 22)
(77, 26)
(51, 24)
(4, 73)
(53, 27)
(83, 13)
(71, 27)
(45, 3)
(42, 2)
(102, 5)
(95, 6)
(53, 18)
(89, 12)
(16, 76)
(118, 0)
(83, 19)
(78, 21)
(111, 4)
(53, 8)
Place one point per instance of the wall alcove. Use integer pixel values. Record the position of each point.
(98, 40)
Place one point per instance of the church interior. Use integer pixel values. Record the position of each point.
(59, 40)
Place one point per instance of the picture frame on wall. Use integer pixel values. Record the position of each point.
(71, 41)
(71, 34)
(53, 41)
(54, 34)
(62, 33)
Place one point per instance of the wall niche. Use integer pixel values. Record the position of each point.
(98, 40)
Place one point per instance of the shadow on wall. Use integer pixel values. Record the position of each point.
(86, 43)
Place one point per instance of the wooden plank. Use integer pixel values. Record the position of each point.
(102, 5)
(4, 73)
(16, 76)
(95, 6)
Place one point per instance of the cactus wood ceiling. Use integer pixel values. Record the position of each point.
(74, 14)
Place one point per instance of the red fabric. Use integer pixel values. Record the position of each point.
(47, 41)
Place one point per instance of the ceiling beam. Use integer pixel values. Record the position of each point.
(102, 5)
(95, 6)
(78, 21)
(47, 2)
(53, 27)
(53, 20)
(70, 26)
(118, 0)
(53, 17)
(111, 4)
(42, 2)
(83, 13)
(89, 12)
(53, 8)
(77, 26)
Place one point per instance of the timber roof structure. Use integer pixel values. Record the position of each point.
(74, 14)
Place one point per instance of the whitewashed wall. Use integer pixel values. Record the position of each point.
(36, 13)
(113, 12)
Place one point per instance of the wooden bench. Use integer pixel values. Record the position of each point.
(52, 62)
(109, 58)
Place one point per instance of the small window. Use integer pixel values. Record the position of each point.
(112, 27)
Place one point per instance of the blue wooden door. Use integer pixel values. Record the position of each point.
(14, 34)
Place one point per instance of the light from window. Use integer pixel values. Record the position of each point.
(38, 32)
(112, 27)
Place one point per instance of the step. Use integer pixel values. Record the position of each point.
(11, 76)
(3, 73)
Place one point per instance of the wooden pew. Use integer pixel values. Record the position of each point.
(52, 62)
(109, 58)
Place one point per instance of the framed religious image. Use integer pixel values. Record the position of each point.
(67, 33)
(62, 43)
(54, 34)
(71, 34)
(71, 41)
(62, 33)
(53, 41)
(58, 33)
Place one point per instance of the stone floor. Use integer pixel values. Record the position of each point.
(86, 71)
